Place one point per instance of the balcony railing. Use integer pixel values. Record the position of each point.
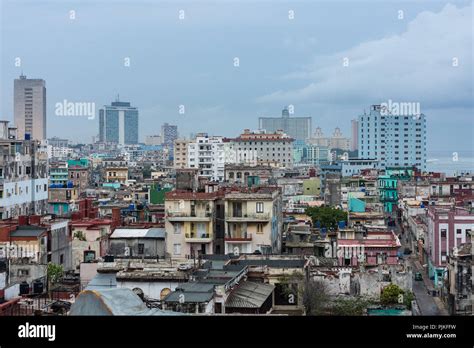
(198, 237)
(248, 217)
(238, 237)
(181, 214)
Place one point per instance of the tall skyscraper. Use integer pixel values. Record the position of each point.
(29, 108)
(169, 133)
(298, 128)
(354, 134)
(395, 140)
(118, 123)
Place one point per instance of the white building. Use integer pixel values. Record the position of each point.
(395, 139)
(353, 166)
(274, 149)
(207, 154)
(23, 181)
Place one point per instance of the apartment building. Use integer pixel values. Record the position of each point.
(29, 108)
(180, 153)
(116, 174)
(274, 149)
(253, 220)
(23, 175)
(395, 139)
(336, 141)
(193, 223)
(448, 227)
(206, 153)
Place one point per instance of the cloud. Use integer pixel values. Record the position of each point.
(416, 65)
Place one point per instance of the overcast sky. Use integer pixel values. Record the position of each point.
(403, 51)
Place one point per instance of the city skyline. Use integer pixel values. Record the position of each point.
(191, 84)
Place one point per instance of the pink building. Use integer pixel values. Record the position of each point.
(374, 249)
(448, 227)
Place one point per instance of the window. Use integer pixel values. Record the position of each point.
(23, 272)
(89, 256)
(443, 233)
(141, 248)
(259, 228)
(259, 207)
(177, 249)
(459, 231)
(177, 228)
(61, 259)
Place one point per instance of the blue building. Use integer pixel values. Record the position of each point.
(394, 134)
(118, 123)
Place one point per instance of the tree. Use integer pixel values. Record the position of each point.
(392, 294)
(328, 217)
(313, 293)
(55, 272)
(349, 306)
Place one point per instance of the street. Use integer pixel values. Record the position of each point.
(428, 304)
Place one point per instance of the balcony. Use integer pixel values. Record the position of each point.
(259, 217)
(195, 237)
(176, 216)
(243, 237)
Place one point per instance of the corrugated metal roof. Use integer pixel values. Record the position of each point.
(273, 263)
(114, 301)
(103, 281)
(139, 233)
(189, 297)
(249, 295)
(28, 231)
(195, 292)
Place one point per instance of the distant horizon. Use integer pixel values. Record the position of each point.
(227, 64)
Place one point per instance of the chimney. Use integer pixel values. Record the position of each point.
(35, 219)
(116, 217)
(76, 216)
(22, 220)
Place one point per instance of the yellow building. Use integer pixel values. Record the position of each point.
(253, 220)
(190, 223)
(116, 174)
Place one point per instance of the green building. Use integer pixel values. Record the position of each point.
(312, 187)
(388, 185)
(82, 162)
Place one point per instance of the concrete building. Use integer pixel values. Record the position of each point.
(29, 108)
(153, 140)
(193, 223)
(141, 242)
(180, 155)
(118, 123)
(58, 142)
(354, 166)
(459, 280)
(89, 240)
(253, 220)
(354, 135)
(447, 228)
(206, 153)
(336, 141)
(260, 147)
(312, 154)
(394, 140)
(247, 175)
(79, 176)
(116, 174)
(298, 128)
(169, 133)
(23, 176)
